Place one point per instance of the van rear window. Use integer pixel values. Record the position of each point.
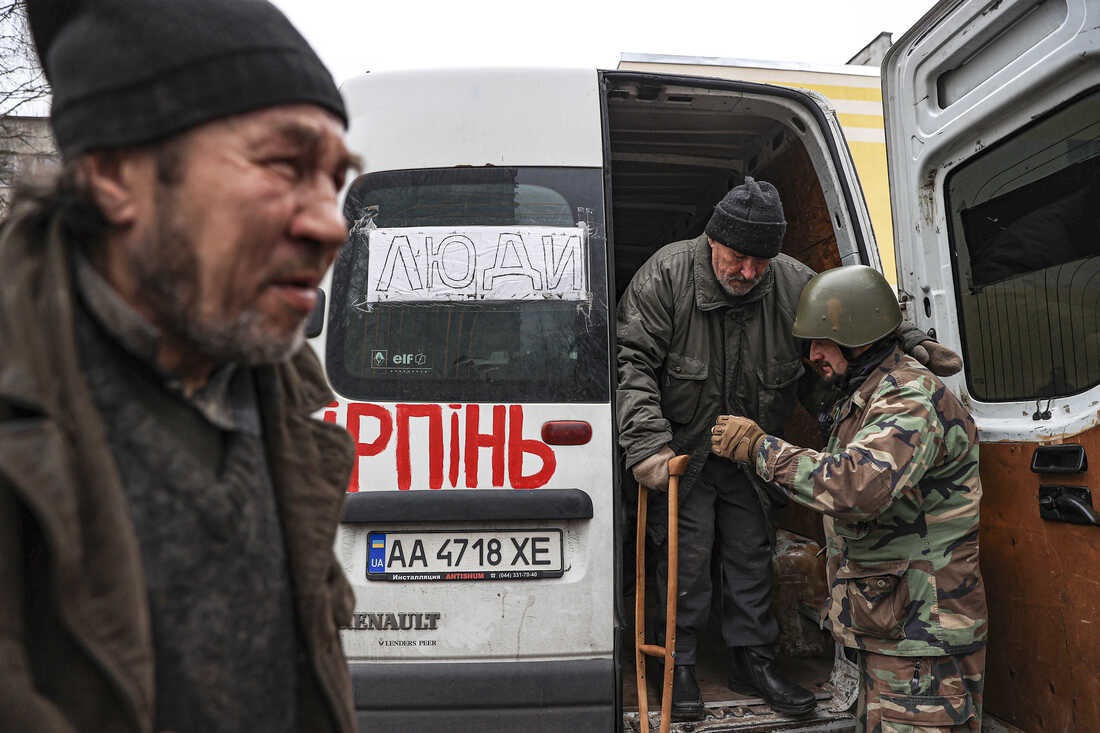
(1025, 229)
(472, 285)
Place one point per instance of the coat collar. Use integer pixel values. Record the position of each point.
(117, 317)
(709, 294)
(887, 365)
(859, 399)
(29, 298)
(71, 468)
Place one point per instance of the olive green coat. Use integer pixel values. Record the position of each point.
(688, 352)
(75, 646)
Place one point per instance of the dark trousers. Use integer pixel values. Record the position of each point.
(722, 500)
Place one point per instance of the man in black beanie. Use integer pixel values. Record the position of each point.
(704, 328)
(167, 503)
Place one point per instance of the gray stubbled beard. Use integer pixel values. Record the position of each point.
(726, 286)
(167, 271)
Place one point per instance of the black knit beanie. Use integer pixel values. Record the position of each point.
(126, 72)
(749, 219)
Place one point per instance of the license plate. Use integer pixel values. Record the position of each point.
(526, 554)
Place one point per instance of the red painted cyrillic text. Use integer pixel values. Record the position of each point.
(357, 410)
(476, 440)
(518, 445)
(434, 413)
(460, 451)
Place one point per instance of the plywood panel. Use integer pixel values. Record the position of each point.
(810, 237)
(1043, 584)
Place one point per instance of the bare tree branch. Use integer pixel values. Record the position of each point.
(22, 81)
(26, 146)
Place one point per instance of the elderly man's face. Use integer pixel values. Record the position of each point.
(737, 273)
(234, 241)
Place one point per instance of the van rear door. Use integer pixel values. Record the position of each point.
(993, 136)
(467, 341)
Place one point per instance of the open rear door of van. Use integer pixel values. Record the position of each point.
(993, 136)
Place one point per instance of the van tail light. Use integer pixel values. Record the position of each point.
(566, 432)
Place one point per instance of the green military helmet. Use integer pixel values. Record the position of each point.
(853, 306)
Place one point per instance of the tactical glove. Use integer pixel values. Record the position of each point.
(652, 472)
(735, 438)
(940, 360)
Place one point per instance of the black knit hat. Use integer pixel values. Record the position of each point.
(749, 219)
(126, 72)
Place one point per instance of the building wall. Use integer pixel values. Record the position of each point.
(874, 52)
(855, 92)
(26, 149)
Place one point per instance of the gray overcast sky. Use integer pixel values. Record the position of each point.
(353, 36)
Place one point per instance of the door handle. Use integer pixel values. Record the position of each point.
(1071, 504)
(1069, 507)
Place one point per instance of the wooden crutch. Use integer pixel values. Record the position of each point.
(676, 468)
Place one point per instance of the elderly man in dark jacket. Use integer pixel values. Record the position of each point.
(704, 328)
(167, 503)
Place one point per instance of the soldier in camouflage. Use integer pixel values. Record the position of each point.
(898, 485)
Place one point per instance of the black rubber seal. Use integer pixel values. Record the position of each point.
(466, 505)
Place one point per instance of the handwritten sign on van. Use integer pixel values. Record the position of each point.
(477, 263)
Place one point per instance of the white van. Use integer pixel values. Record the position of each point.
(498, 215)
(468, 336)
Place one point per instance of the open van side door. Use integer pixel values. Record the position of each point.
(993, 137)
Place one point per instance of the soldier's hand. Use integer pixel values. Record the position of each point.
(735, 438)
(940, 360)
(652, 472)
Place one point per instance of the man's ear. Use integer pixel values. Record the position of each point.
(118, 181)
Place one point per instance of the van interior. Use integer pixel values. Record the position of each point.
(675, 149)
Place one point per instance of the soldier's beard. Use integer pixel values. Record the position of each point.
(830, 377)
(829, 374)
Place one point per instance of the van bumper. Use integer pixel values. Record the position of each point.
(489, 697)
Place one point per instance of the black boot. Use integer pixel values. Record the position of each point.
(753, 671)
(687, 702)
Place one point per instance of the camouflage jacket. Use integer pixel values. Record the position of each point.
(898, 484)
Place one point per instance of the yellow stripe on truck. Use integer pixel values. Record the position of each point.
(870, 161)
(859, 94)
(849, 120)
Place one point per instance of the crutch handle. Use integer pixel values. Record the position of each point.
(676, 468)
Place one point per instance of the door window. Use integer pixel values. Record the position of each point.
(1025, 237)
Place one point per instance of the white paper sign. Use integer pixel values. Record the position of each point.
(477, 263)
